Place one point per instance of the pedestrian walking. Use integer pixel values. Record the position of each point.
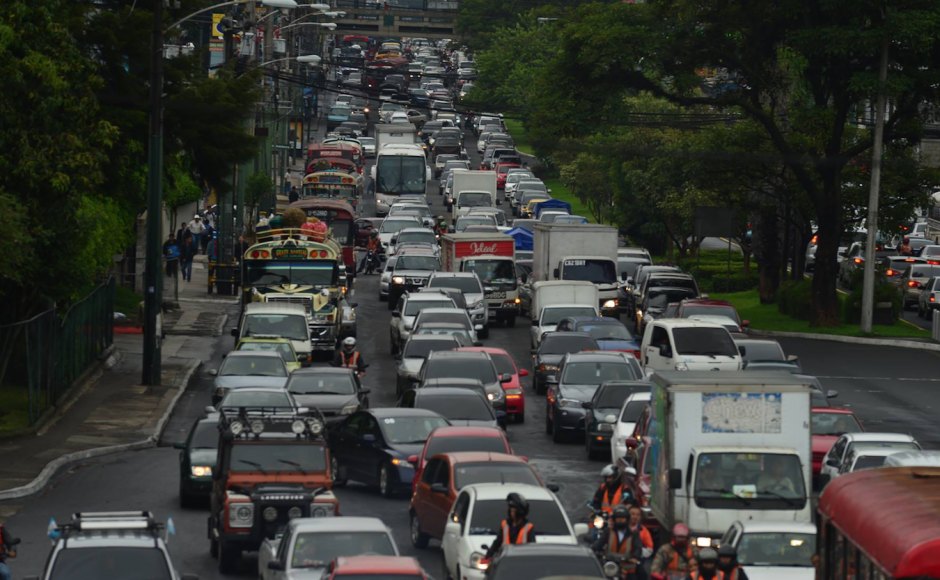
(183, 233)
(210, 230)
(198, 229)
(171, 253)
(187, 252)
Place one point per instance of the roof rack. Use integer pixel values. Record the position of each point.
(251, 422)
(128, 521)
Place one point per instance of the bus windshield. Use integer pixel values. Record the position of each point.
(310, 273)
(401, 175)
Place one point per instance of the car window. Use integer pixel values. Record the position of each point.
(447, 317)
(835, 424)
(321, 384)
(633, 410)
(282, 348)
(545, 515)
(292, 326)
(457, 408)
(414, 307)
(763, 351)
(442, 476)
(478, 368)
(613, 396)
(703, 341)
(595, 373)
(316, 550)
(246, 398)
(409, 430)
(205, 435)
(554, 344)
(430, 472)
(491, 472)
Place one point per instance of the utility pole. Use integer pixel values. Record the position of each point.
(153, 280)
(868, 283)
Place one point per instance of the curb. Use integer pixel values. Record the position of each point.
(900, 343)
(53, 466)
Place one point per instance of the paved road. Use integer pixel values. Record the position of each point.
(891, 389)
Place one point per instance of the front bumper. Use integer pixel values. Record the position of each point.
(323, 338)
(198, 486)
(502, 310)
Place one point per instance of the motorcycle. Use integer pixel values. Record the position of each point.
(618, 566)
(597, 521)
(372, 262)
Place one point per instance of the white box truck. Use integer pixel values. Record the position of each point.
(578, 252)
(400, 169)
(553, 301)
(729, 446)
(472, 189)
(492, 257)
(398, 134)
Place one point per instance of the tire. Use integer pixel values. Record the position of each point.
(557, 435)
(214, 548)
(229, 557)
(418, 538)
(592, 453)
(334, 472)
(385, 482)
(186, 500)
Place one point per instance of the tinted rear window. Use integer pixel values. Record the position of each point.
(451, 368)
(455, 444)
(704, 341)
(492, 472)
(566, 344)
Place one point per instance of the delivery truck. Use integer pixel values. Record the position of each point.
(729, 446)
(478, 189)
(492, 257)
(578, 252)
(553, 301)
(397, 134)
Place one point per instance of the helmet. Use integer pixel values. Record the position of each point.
(375, 233)
(515, 500)
(349, 343)
(621, 511)
(680, 530)
(707, 555)
(440, 218)
(727, 550)
(611, 471)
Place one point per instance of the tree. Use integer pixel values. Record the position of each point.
(258, 187)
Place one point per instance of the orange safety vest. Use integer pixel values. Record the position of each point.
(719, 575)
(674, 563)
(608, 504)
(645, 537)
(521, 538)
(351, 362)
(733, 575)
(625, 547)
(373, 244)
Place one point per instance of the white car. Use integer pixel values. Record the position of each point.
(475, 518)
(774, 550)
(448, 315)
(862, 458)
(398, 118)
(547, 320)
(310, 544)
(392, 225)
(624, 427)
(386, 278)
(407, 310)
(413, 236)
(845, 444)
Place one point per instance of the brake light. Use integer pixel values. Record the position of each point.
(890, 272)
(933, 299)
(914, 284)
(813, 241)
(859, 260)
(909, 260)
(933, 262)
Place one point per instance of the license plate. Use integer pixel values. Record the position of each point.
(494, 295)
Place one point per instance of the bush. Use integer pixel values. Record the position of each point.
(795, 299)
(884, 293)
(738, 283)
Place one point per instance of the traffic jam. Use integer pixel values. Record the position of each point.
(437, 370)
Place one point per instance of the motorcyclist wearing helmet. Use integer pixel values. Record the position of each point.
(350, 358)
(618, 542)
(611, 493)
(672, 560)
(374, 245)
(728, 563)
(515, 529)
(441, 227)
(904, 248)
(707, 566)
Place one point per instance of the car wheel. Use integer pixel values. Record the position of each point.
(549, 427)
(418, 538)
(229, 556)
(385, 482)
(557, 435)
(334, 472)
(214, 548)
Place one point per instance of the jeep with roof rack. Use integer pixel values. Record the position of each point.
(130, 544)
(273, 467)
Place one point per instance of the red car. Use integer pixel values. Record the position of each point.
(707, 306)
(452, 439)
(502, 171)
(376, 568)
(515, 396)
(829, 423)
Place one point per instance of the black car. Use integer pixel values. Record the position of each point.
(579, 376)
(335, 392)
(198, 456)
(466, 365)
(554, 346)
(534, 561)
(604, 408)
(373, 446)
(461, 407)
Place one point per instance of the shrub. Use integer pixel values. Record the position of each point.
(884, 293)
(795, 299)
(738, 283)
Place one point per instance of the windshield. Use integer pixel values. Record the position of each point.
(457, 444)
(321, 384)
(544, 515)
(250, 398)
(426, 263)
(409, 430)
(595, 373)
(252, 456)
(534, 567)
(554, 344)
(552, 316)
(704, 342)
(458, 408)
(660, 298)
(462, 335)
(687, 283)
(289, 326)
(466, 284)
(628, 266)
(492, 271)
(317, 550)
(606, 331)
(464, 222)
(776, 549)
(763, 351)
(282, 348)
(489, 472)
(461, 368)
(869, 462)
(206, 436)
(309, 273)
(367, 141)
(422, 348)
(340, 111)
(111, 562)
(748, 477)
(400, 174)
(420, 210)
(726, 311)
(471, 199)
(633, 410)
(253, 366)
(613, 396)
(456, 317)
(393, 226)
(596, 271)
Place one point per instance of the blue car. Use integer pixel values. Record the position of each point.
(609, 333)
(372, 446)
(338, 115)
(419, 97)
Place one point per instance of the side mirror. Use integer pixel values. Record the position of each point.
(523, 372)
(580, 529)
(535, 322)
(179, 445)
(276, 565)
(745, 323)
(365, 391)
(438, 488)
(793, 358)
(556, 273)
(833, 462)
(587, 405)
(505, 378)
(234, 332)
(665, 351)
(831, 394)
(368, 438)
(553, 487)
(396, 314)
(477, 327)
(413, 459)
(213, 372)
(743, 350)
(675, 479)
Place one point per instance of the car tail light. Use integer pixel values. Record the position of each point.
(933, 262)
(859, 260)
(933, 299)
(890, 272)
(914, 284)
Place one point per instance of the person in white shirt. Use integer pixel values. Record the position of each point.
(198, 229)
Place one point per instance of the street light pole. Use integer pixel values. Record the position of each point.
(153, 281)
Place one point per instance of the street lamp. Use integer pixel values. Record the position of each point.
(153, 290)
(327, 25)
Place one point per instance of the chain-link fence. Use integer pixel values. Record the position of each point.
(41, 357)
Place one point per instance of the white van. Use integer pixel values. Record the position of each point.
(686, 345)
(272, 319)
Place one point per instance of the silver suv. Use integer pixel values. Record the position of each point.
(469, 284)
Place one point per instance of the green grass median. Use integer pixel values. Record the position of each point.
(517, 132)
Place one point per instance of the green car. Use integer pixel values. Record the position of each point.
(197, 459)
(277, 344)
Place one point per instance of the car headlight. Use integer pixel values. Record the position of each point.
(681, 366)
(610, 304)
(605, 427)
(477, 304)
(349, 409)
(495, 396)
(476, 561)
(201, 471)
(241, 515)
(221, 391)
(549, 368)
(398, 280)
(323, 510)
(562, 402)
(703, 542)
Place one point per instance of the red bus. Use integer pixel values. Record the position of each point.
(341, 218)
(880, 524)
(333, 151)
(376, 71)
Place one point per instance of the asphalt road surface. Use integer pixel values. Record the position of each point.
(890, 389)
